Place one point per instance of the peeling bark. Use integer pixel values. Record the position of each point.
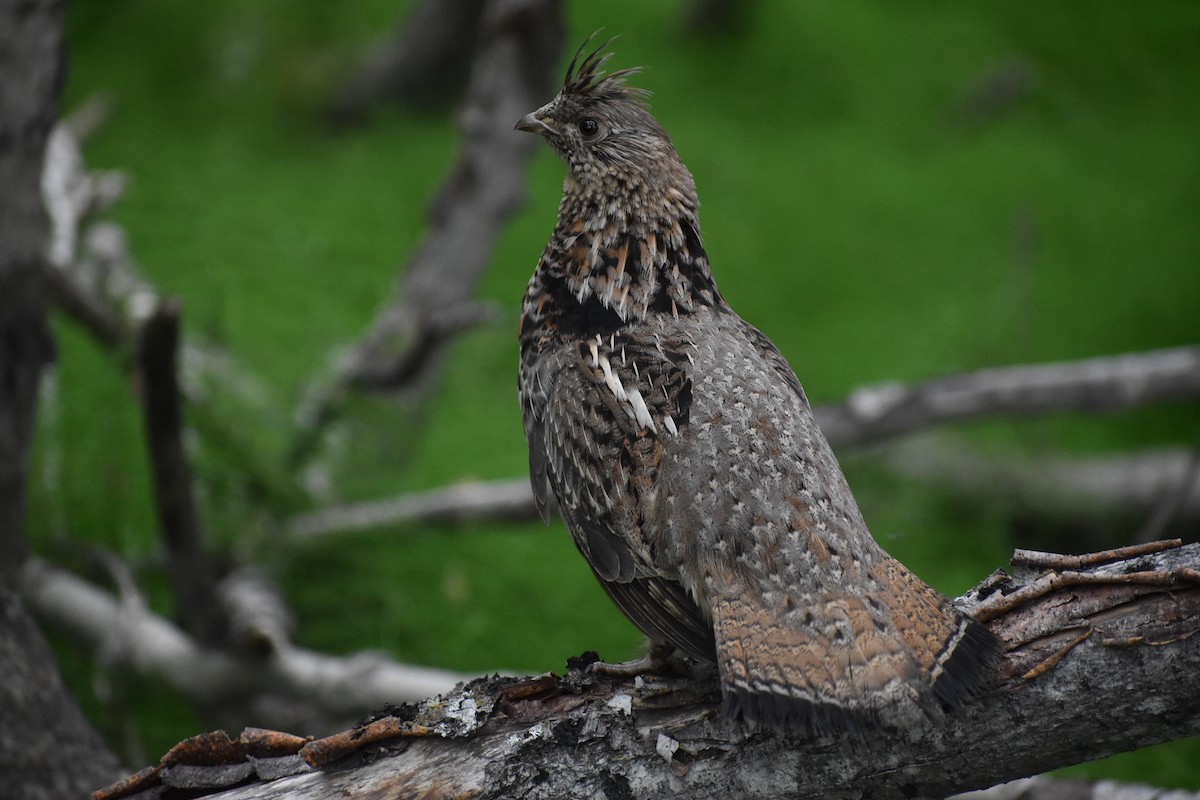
(1095, 665)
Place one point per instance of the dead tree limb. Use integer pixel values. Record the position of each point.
(518, 46)
(1044, 787)
(464, 502)
(1127, 484)
(47, 748)
(192, 578)
(1094, 666)
(1096, 385)
(93, 279)
(424, 63)
(128, 635)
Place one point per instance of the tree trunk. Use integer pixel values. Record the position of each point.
(47, 748)
(31, 56)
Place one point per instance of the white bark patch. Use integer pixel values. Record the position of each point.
(666, 747)
(621, 702)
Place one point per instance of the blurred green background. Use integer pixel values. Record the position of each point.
(852, 210)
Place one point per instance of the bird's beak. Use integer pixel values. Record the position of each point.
(533, 124)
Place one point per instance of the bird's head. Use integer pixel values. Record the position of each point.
(608, 138)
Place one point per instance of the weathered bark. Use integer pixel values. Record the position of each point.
(31, 67)
(47, 748)
(1101, 658)
(518, 45)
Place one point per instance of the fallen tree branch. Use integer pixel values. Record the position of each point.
(463, 502)
(192, 579)
(1044, 787)
(1095, 385)
(128, 635)
(96, 283)
(1092, 668)
(1130, 484)
(1176, 501)
(518, 46)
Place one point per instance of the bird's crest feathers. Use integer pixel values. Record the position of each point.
(586, 78)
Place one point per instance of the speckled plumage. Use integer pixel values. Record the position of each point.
(685, 459)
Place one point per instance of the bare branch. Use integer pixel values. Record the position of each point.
(464, 502)
(997, 90)
(128, 635)
(95, 281)
(519, 44)
(30, 38)
(1174, 503)
(1044, 787)
(47, 747)
(1099, 667)
(1096, 385)
(423, 63)
(260, 621)
(1129, 484)
(178, 518)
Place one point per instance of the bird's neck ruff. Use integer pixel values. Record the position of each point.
(610, 263)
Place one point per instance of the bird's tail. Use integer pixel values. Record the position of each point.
(848, 662)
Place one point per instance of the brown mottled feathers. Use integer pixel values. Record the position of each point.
(682, 453)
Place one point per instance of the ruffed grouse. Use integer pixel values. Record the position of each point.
(686, 462)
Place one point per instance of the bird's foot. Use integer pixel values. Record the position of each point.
(659, 660)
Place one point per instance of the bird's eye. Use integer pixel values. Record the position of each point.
(588, 126)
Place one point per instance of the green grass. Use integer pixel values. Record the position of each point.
(846, 212)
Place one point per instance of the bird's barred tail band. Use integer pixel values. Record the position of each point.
(965, 664)
(795, 677)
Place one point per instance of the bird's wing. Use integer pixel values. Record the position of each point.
(773, 357)
(597, 444)
(661, 609)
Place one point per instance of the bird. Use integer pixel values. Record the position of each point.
(683, 455)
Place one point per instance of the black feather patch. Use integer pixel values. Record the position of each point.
(607, 552)
(784, 712)
(966, 664)
(662, 610)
